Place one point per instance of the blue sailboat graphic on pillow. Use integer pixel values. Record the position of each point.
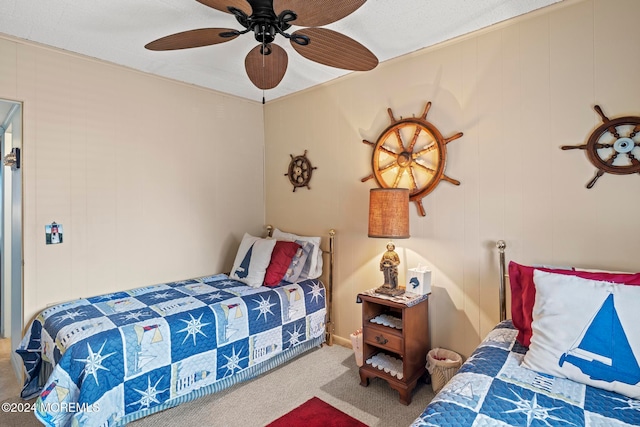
(604, 352)
(243, 269)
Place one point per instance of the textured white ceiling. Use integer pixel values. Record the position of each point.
(117, 30)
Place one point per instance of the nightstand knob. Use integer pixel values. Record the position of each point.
(381, 340)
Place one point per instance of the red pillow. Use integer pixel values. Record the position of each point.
(523, 292)
(281, 257)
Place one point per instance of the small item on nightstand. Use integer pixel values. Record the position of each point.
(389, 267)
(419, 280)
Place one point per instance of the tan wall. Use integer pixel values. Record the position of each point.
(518, 91)
(151, 179)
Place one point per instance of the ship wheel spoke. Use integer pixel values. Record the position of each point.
(598, 146)
(396, 130)
(426, 110)
(387, 167)
(450, 180)
(635, 131)
(400, 142)
(426, 168)
(414, 183)
(614, 131)
(612, 158)
(385, 150)
(595, 178)
(574, 147)
(424, 151)
(396, 182)
(609, 161)
(453, 138)
(604, 118)
(416, 134)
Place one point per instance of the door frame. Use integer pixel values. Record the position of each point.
(11, 248)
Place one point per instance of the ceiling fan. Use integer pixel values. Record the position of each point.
(266, 64)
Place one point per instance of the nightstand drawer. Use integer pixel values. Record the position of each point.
(383, 338)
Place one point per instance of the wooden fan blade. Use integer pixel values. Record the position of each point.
(334, 49)
(316, 13)
(222, 5)
(266, 71)
(191, 38)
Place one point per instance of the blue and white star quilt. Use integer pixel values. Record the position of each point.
(492, 389)
(108, 360)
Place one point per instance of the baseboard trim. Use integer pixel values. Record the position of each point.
(342, 341)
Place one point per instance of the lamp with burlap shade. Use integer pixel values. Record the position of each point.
(389, 218)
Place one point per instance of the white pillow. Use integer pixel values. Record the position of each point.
(587, 331)
(252, 260)
(315, 258)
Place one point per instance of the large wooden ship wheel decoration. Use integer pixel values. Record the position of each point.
(613, 146)
(411, 153)
(300, 171)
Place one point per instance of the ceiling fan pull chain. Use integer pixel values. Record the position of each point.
(263, 55)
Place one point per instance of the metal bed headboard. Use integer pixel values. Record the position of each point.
(329, 285)
(501, 245)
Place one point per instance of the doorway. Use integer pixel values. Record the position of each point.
(11, 222)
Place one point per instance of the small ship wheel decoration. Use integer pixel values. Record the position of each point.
(411, 153)
(300, 171)
(614, 147)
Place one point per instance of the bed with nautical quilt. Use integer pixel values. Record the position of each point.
(111, 359)
(568, 357)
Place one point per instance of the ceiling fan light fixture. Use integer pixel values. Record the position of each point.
(264, 32)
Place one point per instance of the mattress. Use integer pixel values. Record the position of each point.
(111, 359)
(492, 389)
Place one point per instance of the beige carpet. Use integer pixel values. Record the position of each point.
(329, 373)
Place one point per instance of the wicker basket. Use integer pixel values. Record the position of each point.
(442, 364)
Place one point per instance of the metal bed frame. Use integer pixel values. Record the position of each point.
(501, 245)
(330, 252)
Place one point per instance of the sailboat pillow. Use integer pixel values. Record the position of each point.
(587, 331)
(523, 291)
(252, 260)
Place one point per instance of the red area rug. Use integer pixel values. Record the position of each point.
(316, 413)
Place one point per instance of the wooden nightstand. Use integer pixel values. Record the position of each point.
(410, 343)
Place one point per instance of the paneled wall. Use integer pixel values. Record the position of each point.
(518, 91)
(152, 180)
